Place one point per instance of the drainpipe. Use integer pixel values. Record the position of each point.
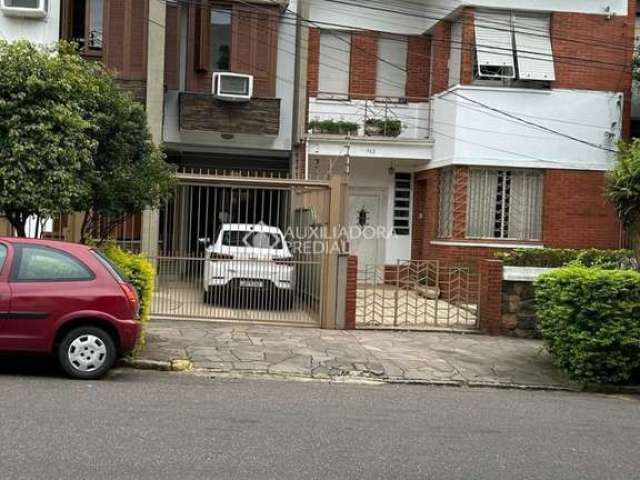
(306, 157)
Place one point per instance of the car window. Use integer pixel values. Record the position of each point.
(110, 266)
(3, 255)
(37, 263)
(246, 238)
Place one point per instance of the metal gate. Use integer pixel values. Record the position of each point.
(417, 294)
(242, 248)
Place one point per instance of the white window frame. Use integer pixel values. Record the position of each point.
(39, 12)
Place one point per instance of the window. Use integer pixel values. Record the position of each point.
(505, 204)
(25, 8)
(3, 255)
(113, 269)
(85, 24)
(221, 39)
(37, 263)
(445, 221)
(515, 46)
(402, 204)
(391, 77)
(335, 57)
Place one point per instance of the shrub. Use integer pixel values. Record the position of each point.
(380, 126)
(139, 271)
(334, 127)
(555, 257)
(590, 321)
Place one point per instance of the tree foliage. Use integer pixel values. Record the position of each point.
(71, 140)
(624, 185)
(44, 132)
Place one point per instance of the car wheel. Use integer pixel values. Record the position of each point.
(86, 353)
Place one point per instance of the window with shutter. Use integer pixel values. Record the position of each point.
(402, 204)
(494, 44)
(533, 47)
(335, 57)
(391, 76)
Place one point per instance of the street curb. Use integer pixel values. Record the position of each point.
(182, 365)
(178, 365)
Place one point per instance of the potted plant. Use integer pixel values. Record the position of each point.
(380, 127)
(333, 127)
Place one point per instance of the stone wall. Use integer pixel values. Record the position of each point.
(518, 310)
(259, 116)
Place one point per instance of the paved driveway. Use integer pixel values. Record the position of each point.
(447, 358)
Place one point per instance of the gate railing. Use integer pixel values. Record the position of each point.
(417, 294)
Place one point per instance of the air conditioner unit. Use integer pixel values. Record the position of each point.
(232, 87)
(25, 8)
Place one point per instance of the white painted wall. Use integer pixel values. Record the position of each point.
(285, 82)
(617, 7)
(39, 30)
(469, 134)
(403, 17)
(372, 175)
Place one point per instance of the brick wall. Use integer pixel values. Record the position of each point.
(602, 60)
(490, 296)
(313, 62)
(352, 290)
(364, 63)
(468, 46)
(418, 55)
(576, 214)
(441, 41)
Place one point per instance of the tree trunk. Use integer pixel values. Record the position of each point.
(18, 222)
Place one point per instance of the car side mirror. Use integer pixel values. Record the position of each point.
(204, 240)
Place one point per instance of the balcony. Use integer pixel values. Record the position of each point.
(372, 128)
(203, 112)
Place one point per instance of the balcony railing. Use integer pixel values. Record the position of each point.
(369, 118)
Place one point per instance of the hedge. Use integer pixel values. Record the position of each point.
(590, 321)
(555, 257)
(139, 271)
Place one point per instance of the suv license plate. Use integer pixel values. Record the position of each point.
(251, 283)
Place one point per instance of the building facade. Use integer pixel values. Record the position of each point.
(500, 122)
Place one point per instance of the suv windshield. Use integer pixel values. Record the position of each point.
(246, 238)
(109, 265)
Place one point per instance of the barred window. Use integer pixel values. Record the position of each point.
(447, 184)
(505, 204)
(402, 204)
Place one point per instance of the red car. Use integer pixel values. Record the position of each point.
(66, 299)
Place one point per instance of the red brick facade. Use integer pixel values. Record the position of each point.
(313, 62)
(364, 64)
(441, 45)
(490, 296)
(418, 63)
(575, 215)
(352, 291)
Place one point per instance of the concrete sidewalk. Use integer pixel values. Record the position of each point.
(424, 357)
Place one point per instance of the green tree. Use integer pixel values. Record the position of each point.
(70, 140)
(44, 140)
(624, 188)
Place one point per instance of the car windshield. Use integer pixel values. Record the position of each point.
(250, 239)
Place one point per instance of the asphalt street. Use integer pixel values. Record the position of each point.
(154, 425)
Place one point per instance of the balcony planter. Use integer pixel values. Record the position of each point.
(333, 127)
(379, 127)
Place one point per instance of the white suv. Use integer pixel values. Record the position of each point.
(248, 257)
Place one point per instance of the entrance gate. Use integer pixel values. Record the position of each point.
(417, 295)
(245, 273)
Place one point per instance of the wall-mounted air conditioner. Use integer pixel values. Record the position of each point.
(232, 87)
(25, 8)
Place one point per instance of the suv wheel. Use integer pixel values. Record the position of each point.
(86, 353)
